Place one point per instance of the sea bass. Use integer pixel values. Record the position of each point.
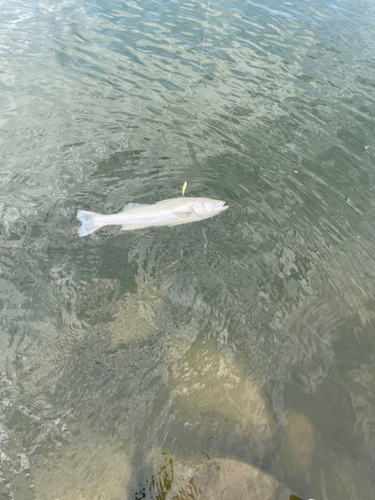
(163, 213)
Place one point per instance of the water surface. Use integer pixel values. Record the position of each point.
(258, 346)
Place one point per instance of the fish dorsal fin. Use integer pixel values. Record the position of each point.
(182, 214)
(131, 205)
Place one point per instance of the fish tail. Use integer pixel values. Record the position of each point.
(89, 221)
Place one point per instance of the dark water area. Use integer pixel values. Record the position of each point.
(254, 355)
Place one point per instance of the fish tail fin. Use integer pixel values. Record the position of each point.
(89, 222)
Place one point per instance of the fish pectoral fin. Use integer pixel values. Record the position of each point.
(132, 205)
(182, 215)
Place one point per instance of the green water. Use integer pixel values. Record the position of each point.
(259, 345)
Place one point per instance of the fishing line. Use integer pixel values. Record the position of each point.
(196, 89)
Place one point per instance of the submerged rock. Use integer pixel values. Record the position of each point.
(130, 317)
(207, 380)
(83, 471)
(296, 452)
(205, 479)
(96, 299)
(135, 313)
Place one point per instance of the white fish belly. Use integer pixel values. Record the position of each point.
(134, 220)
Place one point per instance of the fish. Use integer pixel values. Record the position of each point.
(171, 212)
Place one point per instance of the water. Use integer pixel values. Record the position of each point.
(258, 346)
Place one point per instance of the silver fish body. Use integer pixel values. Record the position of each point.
(163, 213)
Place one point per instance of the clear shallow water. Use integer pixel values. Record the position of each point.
(258, 346)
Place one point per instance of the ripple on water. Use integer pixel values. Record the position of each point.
(262, 335)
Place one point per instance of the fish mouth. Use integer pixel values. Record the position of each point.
(223, 206)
